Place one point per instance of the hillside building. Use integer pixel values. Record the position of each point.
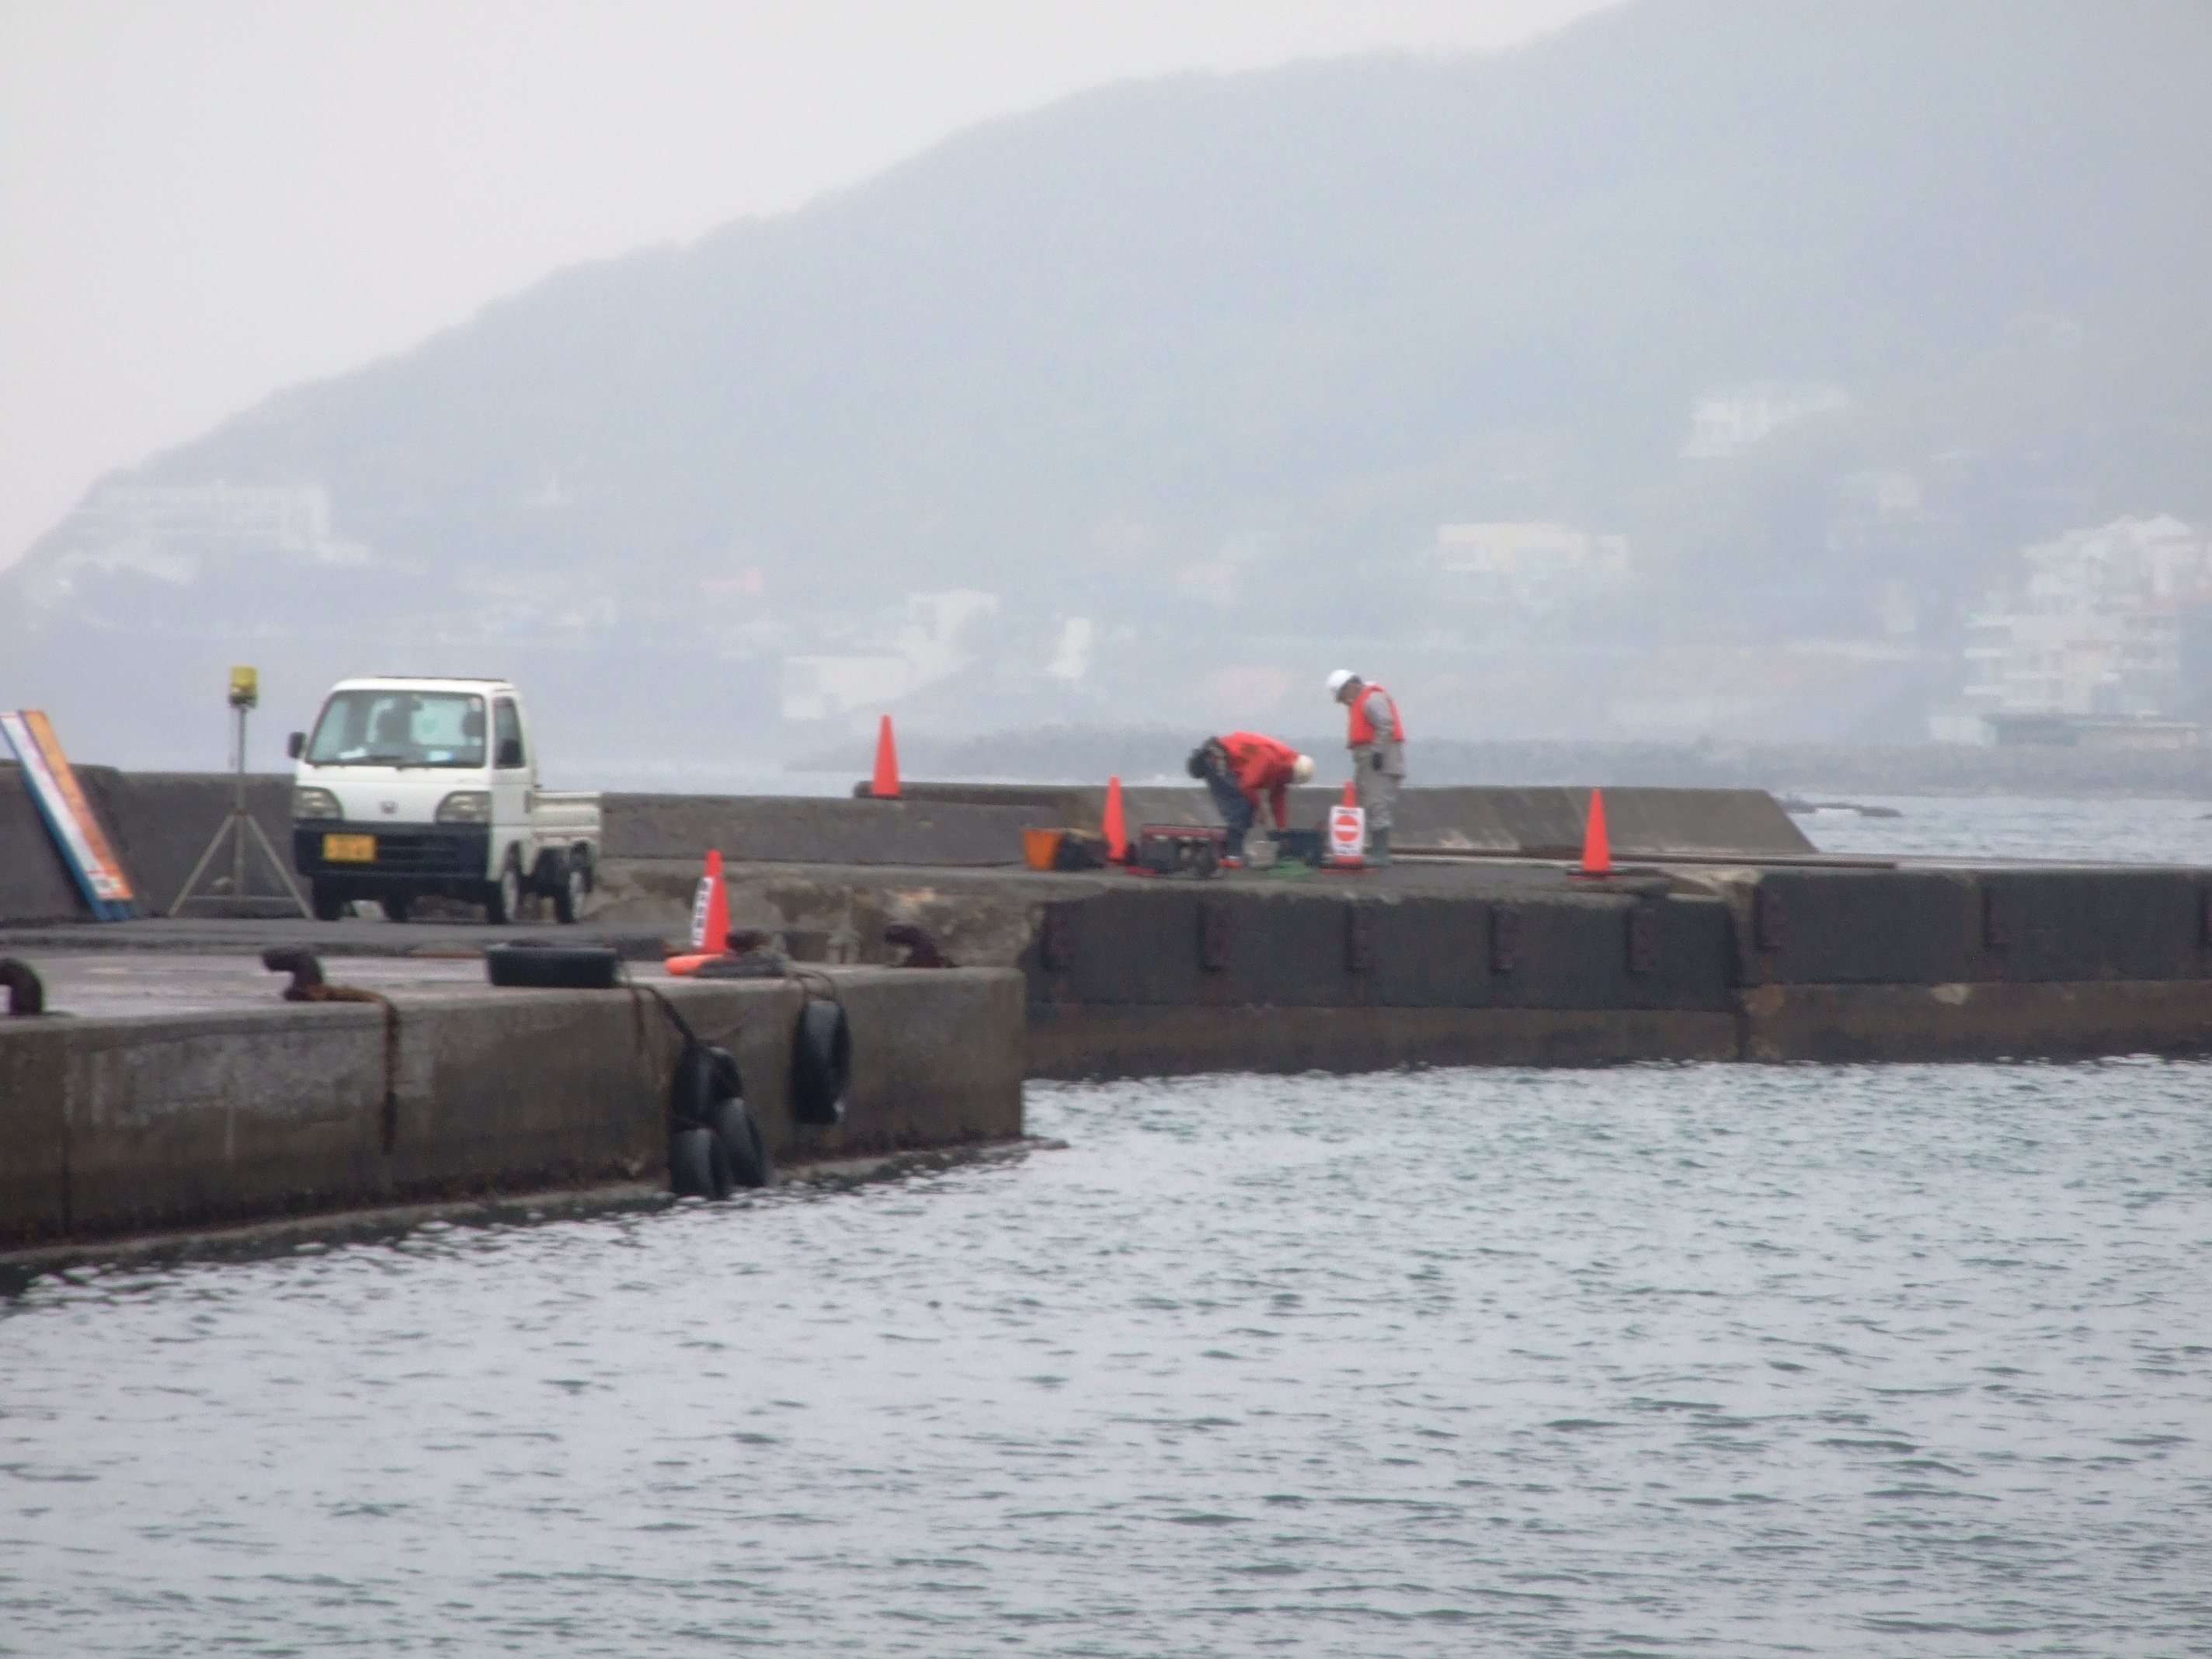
(1726, 422)
(2094, 631)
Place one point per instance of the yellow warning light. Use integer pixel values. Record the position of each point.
(245, 688)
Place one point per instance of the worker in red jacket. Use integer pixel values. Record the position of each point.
(1238, 769)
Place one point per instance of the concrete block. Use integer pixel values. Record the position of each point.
(2094, 925)
(1076, 1041)
(1856, 927)
(548, 1088)
(181, 1119)
(1964, 1021)
(34, 1130)
(938, 1056)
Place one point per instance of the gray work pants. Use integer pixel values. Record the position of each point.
(1377, 790)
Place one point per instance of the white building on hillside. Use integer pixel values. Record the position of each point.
(1525, 564)
(920, 643)
(2093, 630)
(1734, 418)
(176, 531)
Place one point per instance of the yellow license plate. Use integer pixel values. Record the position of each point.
(350, 849)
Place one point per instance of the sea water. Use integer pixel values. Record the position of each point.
(1723, 1359)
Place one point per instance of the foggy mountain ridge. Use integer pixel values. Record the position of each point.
(1184, 377)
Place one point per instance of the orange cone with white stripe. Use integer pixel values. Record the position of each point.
(710, 909)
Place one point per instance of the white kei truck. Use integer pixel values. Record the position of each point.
(412, 787)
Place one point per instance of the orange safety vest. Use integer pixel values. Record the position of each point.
(1363, 729)
(1260, 762)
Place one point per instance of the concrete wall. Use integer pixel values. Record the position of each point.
(1543, 823)
(777, 830)
(158, 822)
(116, 1126)
(35, 884)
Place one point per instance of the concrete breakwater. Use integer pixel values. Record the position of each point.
(1512, 962)
(120, 1124)
(1730, 936)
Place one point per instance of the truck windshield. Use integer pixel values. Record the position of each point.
(399, 728)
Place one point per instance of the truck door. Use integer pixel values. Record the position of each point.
(510, 784)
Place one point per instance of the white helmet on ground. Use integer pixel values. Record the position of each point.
(1339, 680)
(1302, 770)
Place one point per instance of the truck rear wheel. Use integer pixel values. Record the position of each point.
(575, 887)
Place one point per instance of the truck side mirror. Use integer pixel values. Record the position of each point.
(294, 743)
(510, 751)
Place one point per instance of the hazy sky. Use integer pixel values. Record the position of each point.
(201, 203)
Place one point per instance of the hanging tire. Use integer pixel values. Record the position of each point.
(504, 897)
(821, 1063)
(704, 1075)
(396, 906)
(740, 1133)
(328, 905)
(697, 1165)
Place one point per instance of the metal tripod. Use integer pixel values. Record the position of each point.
(237, 828)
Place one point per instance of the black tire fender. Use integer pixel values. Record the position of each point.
(697, 1165)
(821, 1063)
(739, 1131)
(553, 967)
(704, 1075)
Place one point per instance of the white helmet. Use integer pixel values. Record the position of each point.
(1302, 770)
(1339, 680)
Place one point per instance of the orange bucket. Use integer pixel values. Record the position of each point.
(1042, 847)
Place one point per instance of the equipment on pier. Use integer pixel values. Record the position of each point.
(240, 827)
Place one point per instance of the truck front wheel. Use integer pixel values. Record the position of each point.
(503, 899)
(330, 905)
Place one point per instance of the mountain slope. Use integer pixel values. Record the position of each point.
(1305, 317)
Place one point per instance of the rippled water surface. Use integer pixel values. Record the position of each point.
(1722, 1359)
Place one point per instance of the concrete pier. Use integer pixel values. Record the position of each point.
(174, 1091)
(181, 1093)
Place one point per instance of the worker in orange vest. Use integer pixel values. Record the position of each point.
(1238, 769)
(1376, 737)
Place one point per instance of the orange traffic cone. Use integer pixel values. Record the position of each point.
(886, 784)
(1597, 850)
(710, 910)
(1116, 828)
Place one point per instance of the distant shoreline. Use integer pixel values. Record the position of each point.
(1074, 754)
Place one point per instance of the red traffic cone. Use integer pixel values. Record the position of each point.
(1597, 850)
(1116, 828)
(886, 785)
(710, 910)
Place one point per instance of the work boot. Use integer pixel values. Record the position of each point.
(1378, 847)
